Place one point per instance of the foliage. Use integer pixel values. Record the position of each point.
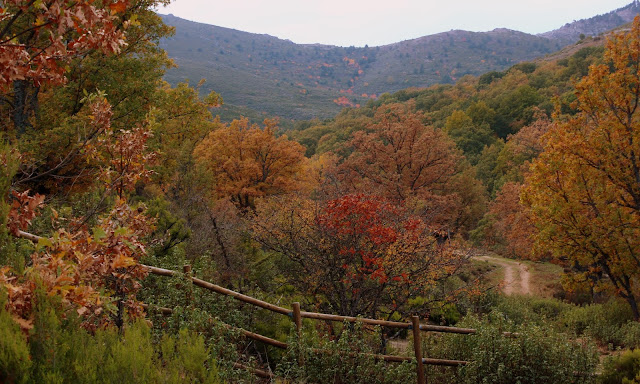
(85, 269)
(38, 39)
(349, 359)
(404, 160)
(611, 324)
(58, 351)
(512, 226)
(246, 162)
(357, 254)
(469, 136)
(9, 162)
(15, 363)
(583, 190)
(623, 369)
(535, 354)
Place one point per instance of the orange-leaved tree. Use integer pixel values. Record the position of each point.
(584, 189)
(245, 161)
(405, 160)
(357, 254)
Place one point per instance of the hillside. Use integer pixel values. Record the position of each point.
(277, 77)
(281, 78)
(570, 32)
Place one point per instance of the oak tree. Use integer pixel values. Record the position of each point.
(245, 161)
(584, 189)
(401, 158)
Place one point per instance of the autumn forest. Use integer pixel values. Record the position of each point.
(123, 195)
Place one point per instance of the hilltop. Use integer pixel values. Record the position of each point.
(571, 32)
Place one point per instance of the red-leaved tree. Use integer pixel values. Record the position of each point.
(357, 254)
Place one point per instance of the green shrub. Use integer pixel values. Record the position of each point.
(536, 354)
(60, 351)
(607, 323)
(188, 357)
(346, 360)
(623, 369)
(15, 364)
(531, 310)
(631, 332)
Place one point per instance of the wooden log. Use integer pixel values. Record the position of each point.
(298, 321)
(29, 236)
(186, 269)
(417, 349)
(249, 334)
(351, 319)
(445, 362)
(264, 339)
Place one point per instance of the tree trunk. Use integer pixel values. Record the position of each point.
(634, 307)
(25, 105)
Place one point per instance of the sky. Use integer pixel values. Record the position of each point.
(376, 22)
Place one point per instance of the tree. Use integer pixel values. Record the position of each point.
(470, 137)
(94, 272)
(584, 189)
(245, 162)
(45, 46)
(512, 226)
(406, 161)
(357, 254)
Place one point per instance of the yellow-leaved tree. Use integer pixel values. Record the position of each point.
(584, 189)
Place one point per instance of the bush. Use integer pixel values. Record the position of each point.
(346, 360)
(536, 354)
(608, 323)
(15, 364)
(59, 351)
(623, 369)
(530, 310)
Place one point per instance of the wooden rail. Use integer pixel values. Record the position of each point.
(297, 315)
(283, 345)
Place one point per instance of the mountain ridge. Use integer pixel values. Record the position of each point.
(260, 75)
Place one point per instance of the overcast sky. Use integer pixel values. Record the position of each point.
(375, 22)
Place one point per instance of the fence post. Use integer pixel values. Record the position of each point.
(189, 288)
(297, 318)
(417, 348)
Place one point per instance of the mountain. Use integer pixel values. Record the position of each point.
(261, 75)
(571, 32)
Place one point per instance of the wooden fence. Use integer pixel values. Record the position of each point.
(296, 314)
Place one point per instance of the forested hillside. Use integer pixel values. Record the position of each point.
(262, 76)
(135, 224)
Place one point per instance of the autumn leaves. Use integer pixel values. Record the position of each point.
(357, 234)
(584, 189)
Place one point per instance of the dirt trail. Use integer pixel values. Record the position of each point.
(516, 275)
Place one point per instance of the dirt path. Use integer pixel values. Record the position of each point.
(516, 275)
